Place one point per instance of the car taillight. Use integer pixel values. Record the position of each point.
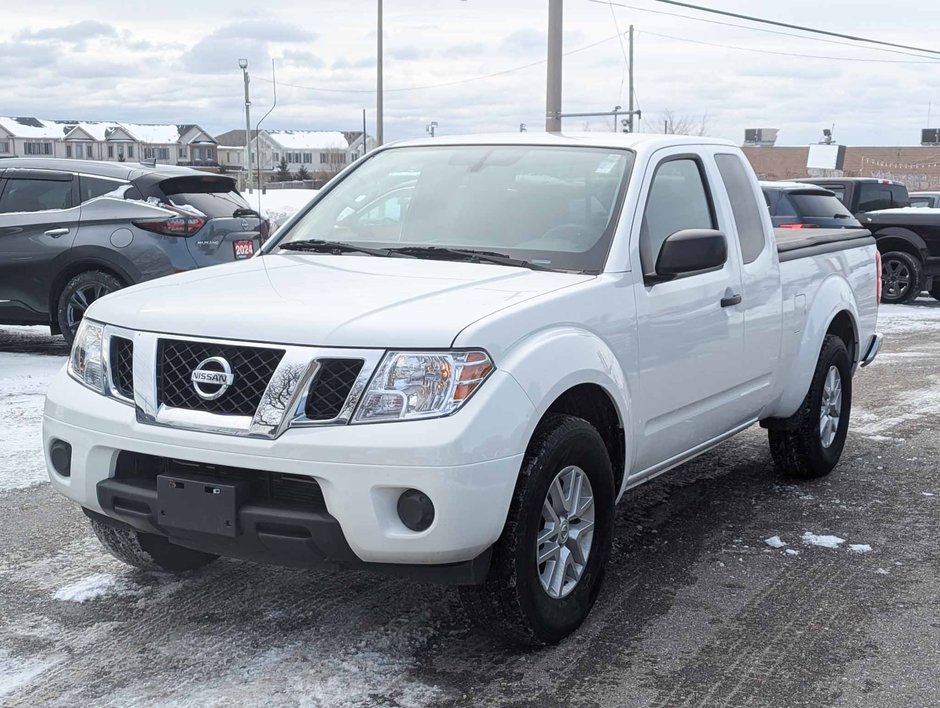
(174, 226)
(877, 277)
(798, 226)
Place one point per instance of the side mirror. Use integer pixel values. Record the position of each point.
(690, 251)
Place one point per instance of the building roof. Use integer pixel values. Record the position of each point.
(308, 139)
(38, 128)
(234, 138)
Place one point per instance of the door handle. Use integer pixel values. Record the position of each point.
(55, 233)
(731, 300)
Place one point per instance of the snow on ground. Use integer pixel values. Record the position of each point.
(24, 379)
(95, 586)
(774, 542)
(278, 205)
(16, 672)
(921, 316)
(811, 539)
(860, 548)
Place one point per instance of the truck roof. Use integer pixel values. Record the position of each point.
(847, 179)
(647, 141)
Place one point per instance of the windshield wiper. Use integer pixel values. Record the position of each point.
(468, 254)
(336, 247)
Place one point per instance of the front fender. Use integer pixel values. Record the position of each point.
(548, 363)
(834, 296)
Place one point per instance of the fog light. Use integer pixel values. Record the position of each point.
(415, 510)
(60, 453)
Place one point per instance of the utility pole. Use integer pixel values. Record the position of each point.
(364, 141)
(553, 77)
(630, 89)
(243, 64)
(379, 117)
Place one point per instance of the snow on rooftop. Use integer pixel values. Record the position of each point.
(31, 127)
(153, 133)
(98, 130)
(309, 139)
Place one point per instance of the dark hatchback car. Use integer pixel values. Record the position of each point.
(71, 231)
(794, 205)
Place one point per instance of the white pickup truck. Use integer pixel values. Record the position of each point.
(454, 362)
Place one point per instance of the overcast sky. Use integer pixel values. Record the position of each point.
(176, 61)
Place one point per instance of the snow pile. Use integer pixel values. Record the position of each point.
(94, 586)
(860, 548)
(774, 542)
(24, 379)
(16, 672)
(278, 205)
(811, 539)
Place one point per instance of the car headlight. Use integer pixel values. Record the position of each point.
(86, 363)
(414, 385)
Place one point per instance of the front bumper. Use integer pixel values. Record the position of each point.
(467, 464)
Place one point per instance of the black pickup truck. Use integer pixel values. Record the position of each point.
(909, 240)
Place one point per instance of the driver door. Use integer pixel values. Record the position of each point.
(690, 331)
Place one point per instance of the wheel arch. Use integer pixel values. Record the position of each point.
(77, 267)
(591, 386)
(895, 238)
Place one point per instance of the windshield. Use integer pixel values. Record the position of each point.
(819, 205)
(551, 206)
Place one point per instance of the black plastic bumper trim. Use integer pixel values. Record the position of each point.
(275, 534)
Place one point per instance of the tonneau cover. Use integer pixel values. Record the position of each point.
(796, 239)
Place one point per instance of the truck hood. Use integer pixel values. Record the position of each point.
(326, 300)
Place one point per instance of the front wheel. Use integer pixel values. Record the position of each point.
(809, 443)
(78, 294)
(901, 277)
(549, 562)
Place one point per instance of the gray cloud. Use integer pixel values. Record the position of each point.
(76, 32)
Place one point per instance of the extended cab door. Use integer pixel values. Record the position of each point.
(39, 217)
(690, 329)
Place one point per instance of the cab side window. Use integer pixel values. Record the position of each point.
(678, 199)
(26, 195)
(746, 212)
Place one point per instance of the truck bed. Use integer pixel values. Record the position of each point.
(802, 243)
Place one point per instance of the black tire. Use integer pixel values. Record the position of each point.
(83, 288)
(902, 277)
(512, 603)
(797, 445)
(148, 551)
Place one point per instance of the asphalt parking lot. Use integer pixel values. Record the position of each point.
(697, 610)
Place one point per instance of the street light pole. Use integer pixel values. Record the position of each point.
(379, 117)
(630, 87)
(243, 64)
(553, 78)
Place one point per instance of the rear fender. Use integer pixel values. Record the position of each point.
(834, 296)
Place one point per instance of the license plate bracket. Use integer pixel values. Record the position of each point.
(243, 248)
(201, 504)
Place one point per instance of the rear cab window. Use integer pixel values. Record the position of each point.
(213, 196)
(744, 207)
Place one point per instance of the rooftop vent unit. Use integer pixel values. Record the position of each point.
(930, 136)
(762, 137)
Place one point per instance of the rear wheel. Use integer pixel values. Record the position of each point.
(148, 551)
(901, 277)
(78, 295)
(549, 562)
(810, 443)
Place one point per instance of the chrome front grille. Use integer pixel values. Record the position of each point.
(268, 390)
(252, 368)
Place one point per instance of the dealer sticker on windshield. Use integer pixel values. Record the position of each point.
(244, 249)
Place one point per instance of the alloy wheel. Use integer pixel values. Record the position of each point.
(566, 532)
(896, 278)
(81, 300)
(830, 410)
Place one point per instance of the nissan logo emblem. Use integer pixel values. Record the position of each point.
(212, 377)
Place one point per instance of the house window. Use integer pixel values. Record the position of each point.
(308, 158)
(324, 158)
(110, 151)
(89, 153)
(68, 150)
(182, 152)
(4, 146)
(277, 157)
(37, 148)
(338, 158)
(148, 153)
(130, 151)
(163, 153)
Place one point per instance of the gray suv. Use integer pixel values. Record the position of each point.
(72, 231)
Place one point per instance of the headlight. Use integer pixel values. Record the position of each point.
(85, 363)
(412, 385)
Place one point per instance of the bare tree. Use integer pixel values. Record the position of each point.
(671, 124)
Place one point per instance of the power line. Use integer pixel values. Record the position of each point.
(801, 28)
(788, 54)
(444, 83)
(623, 49)
(750, 28)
